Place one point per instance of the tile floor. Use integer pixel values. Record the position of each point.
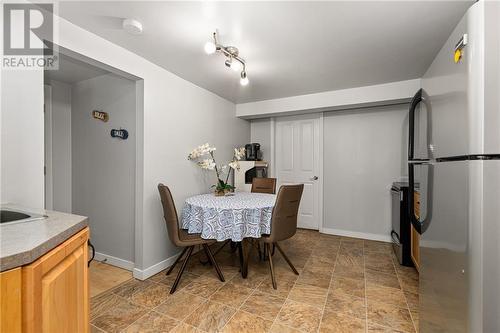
(345, 285)
(103, 277)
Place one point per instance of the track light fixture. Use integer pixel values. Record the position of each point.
(233, 59)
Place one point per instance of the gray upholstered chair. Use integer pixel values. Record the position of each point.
(264, 185)
(283, 223)
(182, 238)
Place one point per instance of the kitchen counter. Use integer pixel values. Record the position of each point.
(24, 242)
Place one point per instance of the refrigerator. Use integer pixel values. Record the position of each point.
(454, 168)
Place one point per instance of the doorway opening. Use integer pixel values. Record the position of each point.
(91, 126)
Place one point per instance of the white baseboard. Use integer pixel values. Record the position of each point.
(125, 264)
(156, 268)
(355, 234)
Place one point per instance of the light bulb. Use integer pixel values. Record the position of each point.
(210, 47)
(244, 79)
(228, 62)
(236, 66)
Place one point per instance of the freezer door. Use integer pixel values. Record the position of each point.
(444, 247)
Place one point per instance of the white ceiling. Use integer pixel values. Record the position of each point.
(71, 70)
(291, 48)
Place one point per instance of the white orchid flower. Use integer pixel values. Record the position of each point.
(235, 165)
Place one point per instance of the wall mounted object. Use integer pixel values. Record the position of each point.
(101, 115)
(119, 133)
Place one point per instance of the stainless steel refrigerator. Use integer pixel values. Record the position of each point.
(454, 166)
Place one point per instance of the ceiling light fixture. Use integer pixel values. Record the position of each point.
(233, 59)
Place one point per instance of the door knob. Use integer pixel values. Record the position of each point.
(315, 178)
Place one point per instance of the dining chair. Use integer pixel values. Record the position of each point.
(283, 223)
(264, 185)
(182, 238)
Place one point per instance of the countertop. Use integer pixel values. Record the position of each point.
(24, 242)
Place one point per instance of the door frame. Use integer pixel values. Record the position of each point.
(47, 165)
(320, 157)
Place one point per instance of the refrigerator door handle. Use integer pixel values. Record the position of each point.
(411, 126)
(421, 225)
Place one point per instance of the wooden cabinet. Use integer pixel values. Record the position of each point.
(10, 301)
(55, 289)
(415, 236)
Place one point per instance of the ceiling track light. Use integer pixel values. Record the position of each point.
(233, 59)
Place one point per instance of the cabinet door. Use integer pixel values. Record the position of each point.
(56, 289)
(415, 237)
(10, 301)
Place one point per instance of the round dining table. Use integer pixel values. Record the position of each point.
(230, 217)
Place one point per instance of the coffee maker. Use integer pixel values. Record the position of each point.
(252, 152)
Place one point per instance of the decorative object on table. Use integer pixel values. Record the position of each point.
(182, 238)
(119, 133)
(100, 115)
(208, 163)
(283, 223)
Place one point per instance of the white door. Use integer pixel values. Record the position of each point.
(298, 149)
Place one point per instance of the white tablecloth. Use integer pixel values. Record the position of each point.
(229, 217)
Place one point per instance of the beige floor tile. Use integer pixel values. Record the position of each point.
(382, 279)
(412, 300)
(374, 328)
(185, 328)
(409, 283)
(264, 305)
(180, 304)
(103, 302)
(252, 281)
(308, 294)
(103, 277)
(278, 328)
(414, 317)
(119, 317)
(152, 322)
(349, 271)
(283, 285)
(210, 316)
(387, 295)
(186, 279)
(203, 286)
(231, 295)
(315, 278)
(356, 252)
(151, 296)
(244, 322)
(346, 304)
(336, 322)
(127, 289)
(380, 264)
(349, 261)
(390, 316)
(348, 286)
(300, 316)
(332, 273)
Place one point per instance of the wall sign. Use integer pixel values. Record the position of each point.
(119, 133)
(101, 115)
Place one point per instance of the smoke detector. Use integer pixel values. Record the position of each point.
(132, 26)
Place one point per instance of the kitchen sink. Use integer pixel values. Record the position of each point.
(9, 216)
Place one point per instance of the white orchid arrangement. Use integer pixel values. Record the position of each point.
(204, 156)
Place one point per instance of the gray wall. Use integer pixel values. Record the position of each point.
(103, 184)
(260, 132)
(364, 152)
(61, 146)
